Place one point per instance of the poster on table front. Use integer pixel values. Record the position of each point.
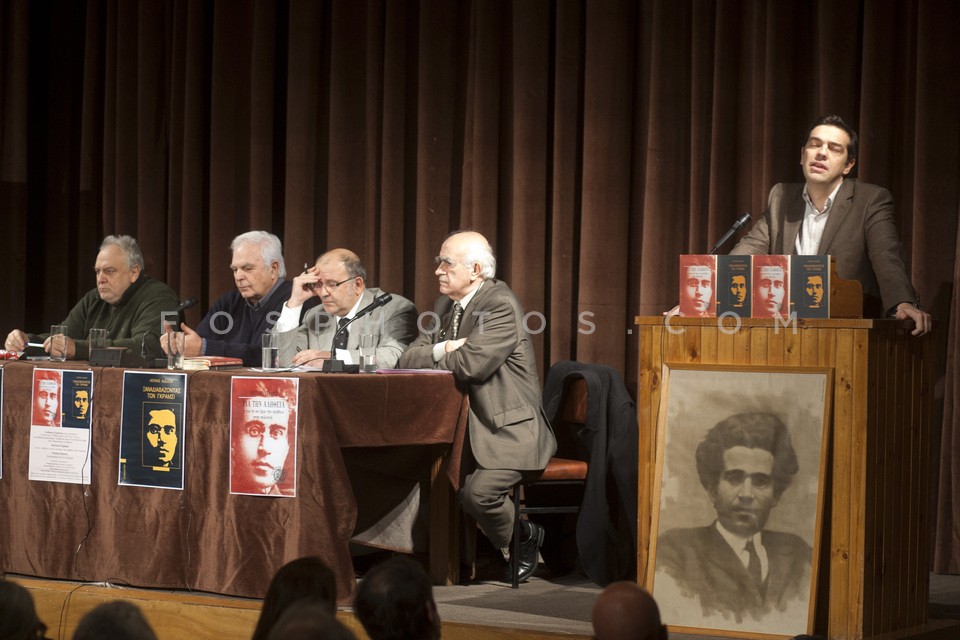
(263, 436)
(152, 429)
(60, 409)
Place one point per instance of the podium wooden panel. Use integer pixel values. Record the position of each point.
(875, 559)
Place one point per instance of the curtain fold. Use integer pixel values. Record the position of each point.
(591, 142)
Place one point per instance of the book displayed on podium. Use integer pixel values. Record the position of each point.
(698, 286)
(204, 363)
(771, 286)
(734, 285)
(810, 282)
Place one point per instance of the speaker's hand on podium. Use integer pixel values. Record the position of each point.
(922, 319)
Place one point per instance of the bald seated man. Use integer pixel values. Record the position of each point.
(339, 279)
(624, 611)
(482, 339)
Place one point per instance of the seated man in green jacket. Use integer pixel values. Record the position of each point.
(127, 303)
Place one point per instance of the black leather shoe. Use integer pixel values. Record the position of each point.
(528, 558)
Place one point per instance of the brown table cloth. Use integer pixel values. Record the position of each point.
(204, 538)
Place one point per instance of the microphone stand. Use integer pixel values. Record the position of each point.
(335, 365)
(742, 220)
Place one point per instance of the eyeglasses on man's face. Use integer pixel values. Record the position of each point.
(328, 285)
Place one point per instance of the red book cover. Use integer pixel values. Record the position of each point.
(771, 286)
(698, 286)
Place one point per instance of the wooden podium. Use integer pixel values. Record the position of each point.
(874, 565)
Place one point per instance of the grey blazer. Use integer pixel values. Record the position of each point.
(861, 234)
(395, 323)
(507, 425)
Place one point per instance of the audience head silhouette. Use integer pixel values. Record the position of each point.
(18, 616)
(304, 579)
(395, 602)
(624, 611)
(117, 620)
(308, 620)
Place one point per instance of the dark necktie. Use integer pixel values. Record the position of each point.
(753, 564)
(341, 340)
(455, 323)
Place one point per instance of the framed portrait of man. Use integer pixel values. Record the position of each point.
(738, 498)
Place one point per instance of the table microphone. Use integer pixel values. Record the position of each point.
(742, 220)
(186, 304)
(333, 365)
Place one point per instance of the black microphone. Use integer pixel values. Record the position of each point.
(742, 220)
(186, 304)
(333, 365)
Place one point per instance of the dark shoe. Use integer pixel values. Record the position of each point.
(528, 558)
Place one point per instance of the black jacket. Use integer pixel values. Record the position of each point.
(607, 525)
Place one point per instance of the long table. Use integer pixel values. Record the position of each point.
(203, 538)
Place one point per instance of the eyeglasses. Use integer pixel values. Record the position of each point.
(329, 286)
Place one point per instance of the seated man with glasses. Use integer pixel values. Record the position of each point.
(339, 279)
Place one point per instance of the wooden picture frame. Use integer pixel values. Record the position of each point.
(733, 429)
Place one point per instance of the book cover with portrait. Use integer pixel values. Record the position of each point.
(810, 282)
(771, 286)
(263, 436)
(60, 426)
(734, 284)
(698, 286)
(153, 430)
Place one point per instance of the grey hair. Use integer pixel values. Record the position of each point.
(270, 248)
(130, 248)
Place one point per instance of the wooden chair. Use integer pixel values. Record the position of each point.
(560, 471)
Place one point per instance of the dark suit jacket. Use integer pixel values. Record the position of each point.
(496, 365)
(705, 566)
(607, 524)
(861, 234)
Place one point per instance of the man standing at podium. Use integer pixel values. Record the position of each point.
(482, 339)
(831, 214)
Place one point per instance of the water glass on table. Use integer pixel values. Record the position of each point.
(269, 352)
(368, 353)
(58, 342)
(174, 349)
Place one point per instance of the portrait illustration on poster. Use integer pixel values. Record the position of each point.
(152, 429)
(60, 455)
(78, 399)
(263, 436)
(47, 386)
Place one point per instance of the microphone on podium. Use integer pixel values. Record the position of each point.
(741, 221)
(333, 365)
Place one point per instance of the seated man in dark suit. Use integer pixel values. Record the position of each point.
(235, 322)
(482, 339)
(735, 567)
(338, 279)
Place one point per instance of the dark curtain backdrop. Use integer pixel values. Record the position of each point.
(591, 141)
